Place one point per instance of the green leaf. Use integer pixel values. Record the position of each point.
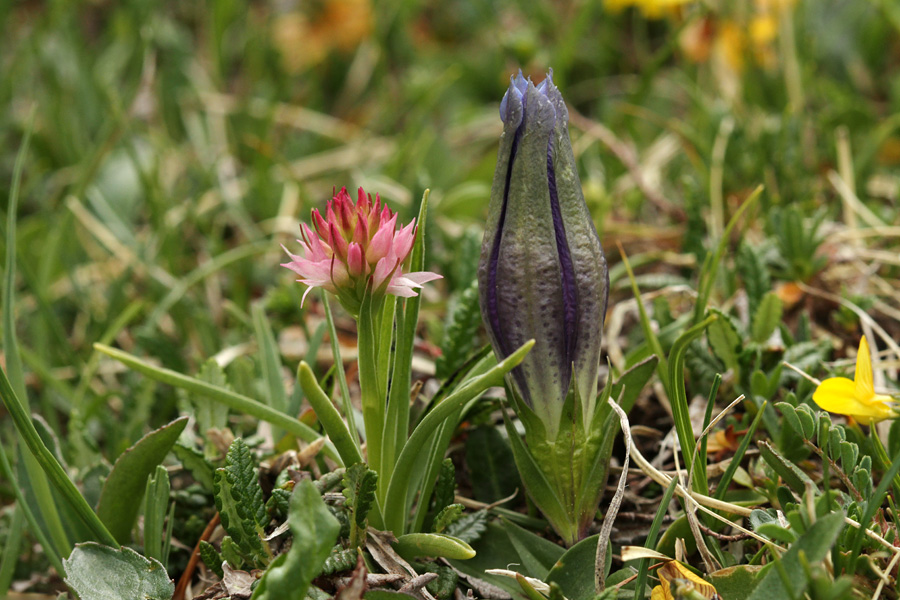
(156, 506)
(725, 341)
(538, 554)
(211, 558)
(767, 317)
(574, 571)
(489, 457)
(735, 583)
(445, 487)
(196, 463)
(210, 414)
(120, 499)
(395, 510)
(448, 515)
(787, 470)
(815, 544)
(270, 358)
(239, 500)
(413, 545)
(469, 527)
(315, 531)
(97, 572)
(538, 486)
(329, 416)
(360, 483)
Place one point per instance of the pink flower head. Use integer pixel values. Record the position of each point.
(354, 248)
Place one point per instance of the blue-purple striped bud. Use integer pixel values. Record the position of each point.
(542, 272)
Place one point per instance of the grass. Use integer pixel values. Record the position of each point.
(174, 146)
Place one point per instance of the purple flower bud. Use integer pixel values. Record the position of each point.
(542, 272)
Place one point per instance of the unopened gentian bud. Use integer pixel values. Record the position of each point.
(542, 273)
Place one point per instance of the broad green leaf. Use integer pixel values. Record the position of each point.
(97, 572)
(815, 544)
(766, 318)
(574, 571)
(120, 499)
(315, 532)
(735, 583)
(538, 554)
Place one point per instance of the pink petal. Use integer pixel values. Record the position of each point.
(320, 224)
(338, 243)
(403, 241)
(420, 277)
(384, 270)
(355, 260)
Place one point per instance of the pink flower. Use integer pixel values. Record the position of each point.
(354, 248)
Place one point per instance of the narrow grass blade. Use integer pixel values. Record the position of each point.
(396, 422)
(711, 264)
(652, 535)
(54, 472)
(230, 399)
(679, 402)
(341, 376)
(269, 358)
(662, 368)
(35, 480)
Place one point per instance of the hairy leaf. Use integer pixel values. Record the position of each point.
(211, 558)
(239, 501)
(97, 572)
(359, 489)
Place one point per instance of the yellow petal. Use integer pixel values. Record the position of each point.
(674, 571)
(659, 593)
(838, 395)
(864, 387)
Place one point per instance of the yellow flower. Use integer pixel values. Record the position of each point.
(652, 9)
(857, 398)
(677, 582)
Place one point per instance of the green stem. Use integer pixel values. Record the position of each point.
(339, 368)
(369, 325)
